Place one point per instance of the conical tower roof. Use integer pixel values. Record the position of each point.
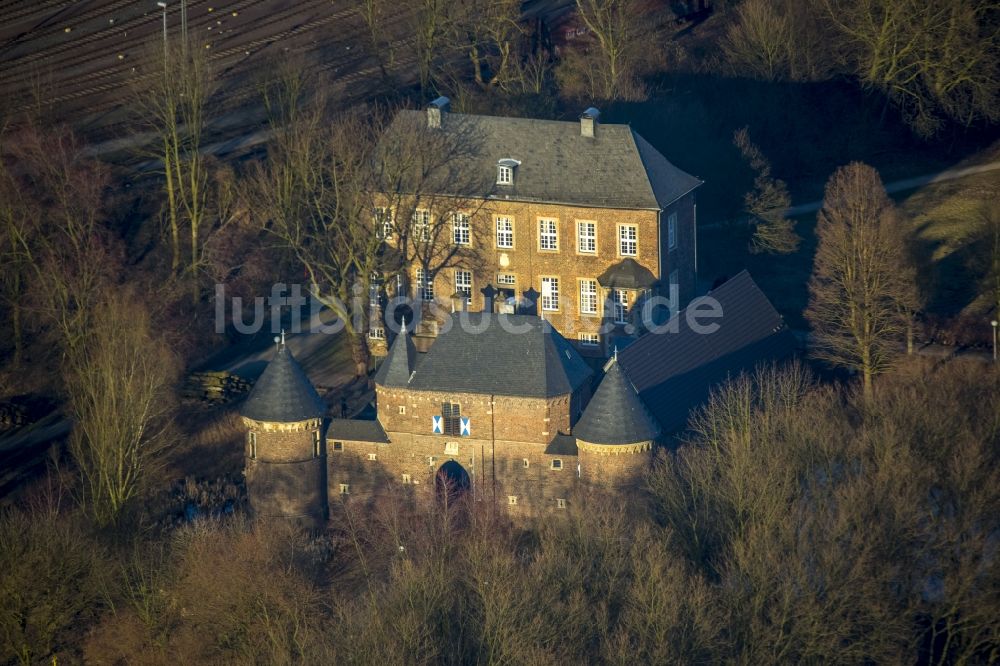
(399, 364)
(616, 414)
(283, 394)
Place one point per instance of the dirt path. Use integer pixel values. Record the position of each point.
(910, 184)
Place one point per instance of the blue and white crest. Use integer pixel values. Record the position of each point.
(466, 428)
(436, 426)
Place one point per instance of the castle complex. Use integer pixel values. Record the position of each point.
(502, 407)
(541, 384)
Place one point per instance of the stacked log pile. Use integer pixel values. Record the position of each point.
(215, 387)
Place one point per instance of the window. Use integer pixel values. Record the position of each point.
(512, 499)
(462, 230)
(451, 448)
(451, 417)
(589, 339)
(557, 464)
(422, 225)
(345, 489)
(374, 287)
(383, 222)
(672, 230)
(402, 409)
(526, 463)
(550, 293)
(407, 479)
(253, 445)
(505, 171)
(425, 284)
(338, 446)
(316, 444)
(463, 285)
(376, 333)
(586, 237)
(628, 245)
(373, 457)
(560, 503)
(506, 279)
(548, 235)
(505, 232)
(620, 299)
(588, 297)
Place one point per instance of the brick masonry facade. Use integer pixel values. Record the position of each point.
(505, 455)
(286, 469)
(528, 261)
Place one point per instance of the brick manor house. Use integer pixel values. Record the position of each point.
(572, 221)
(501, 405)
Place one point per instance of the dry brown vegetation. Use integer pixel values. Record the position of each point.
(798, 523)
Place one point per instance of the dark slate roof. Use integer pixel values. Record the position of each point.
(616, 168)
(283, 394)
(515, 355)
(562, 445)
(397, 366)
(616, 415)
(675, 372)
(356, 430)
(627, 274)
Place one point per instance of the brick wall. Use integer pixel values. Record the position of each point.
(528, 263)
(495, 470)
(614, 466)
(535, 420)
(284, 475)
(682, 257)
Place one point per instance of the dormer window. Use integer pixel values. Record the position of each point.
(505, 171)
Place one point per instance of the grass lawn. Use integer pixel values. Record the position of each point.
(943, 219)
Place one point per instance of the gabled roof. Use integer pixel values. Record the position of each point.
(398, 365)
(508, 355)
(674, 372)
(283, 393)
(616, 168)
(616, 415)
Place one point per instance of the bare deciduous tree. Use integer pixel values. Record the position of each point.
(933, 59)
(119, 381)
(862, 291)
(626, 39)
(173, 104)
(768, 201)
(779, 40)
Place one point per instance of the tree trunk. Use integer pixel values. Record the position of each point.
(17, 324)
(175, 239)
(360, 354)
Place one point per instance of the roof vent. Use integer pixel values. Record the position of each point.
(436, 111)
(588, 122)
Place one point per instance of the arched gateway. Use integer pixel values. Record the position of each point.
(451, 480)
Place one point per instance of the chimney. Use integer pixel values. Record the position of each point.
(436, 111)
(588, 122)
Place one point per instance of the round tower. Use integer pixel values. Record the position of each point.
(285, 452)
(615, 434)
